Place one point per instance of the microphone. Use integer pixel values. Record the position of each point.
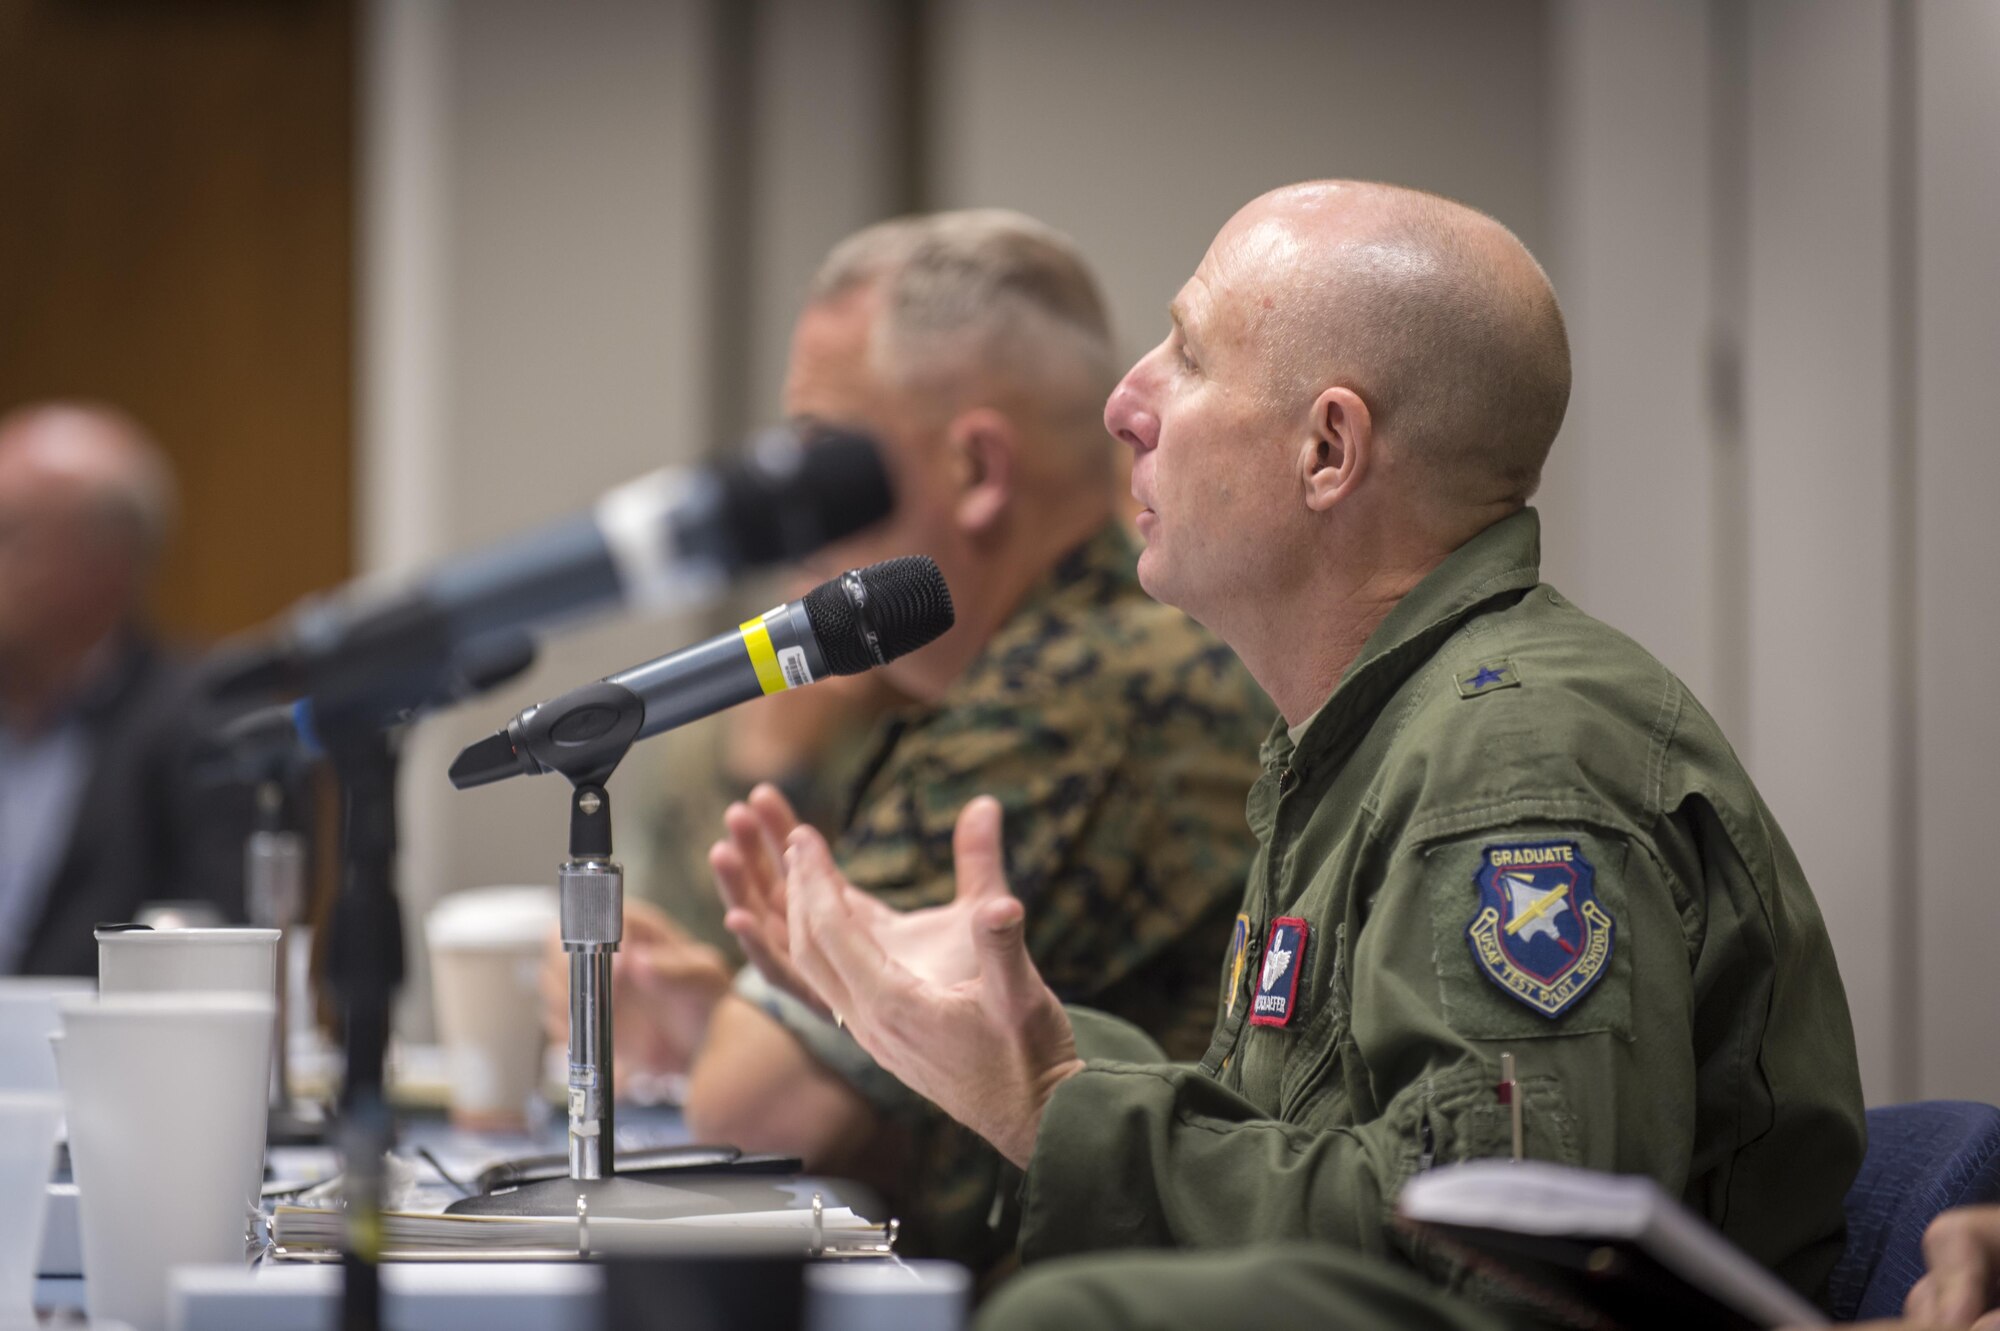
(862, 619)
(668, 539)
(264, 743)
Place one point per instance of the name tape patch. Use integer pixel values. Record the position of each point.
(1278, 981)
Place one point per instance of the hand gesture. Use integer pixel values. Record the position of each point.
(947, 999)
(750, 878)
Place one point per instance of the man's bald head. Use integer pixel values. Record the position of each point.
(95, 465)
(85, 503)
(1433, 312)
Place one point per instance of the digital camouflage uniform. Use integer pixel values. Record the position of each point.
(1509, 829)
(1119, 737)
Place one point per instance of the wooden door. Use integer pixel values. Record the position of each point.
(176, 237)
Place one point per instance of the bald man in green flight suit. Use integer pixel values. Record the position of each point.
(1488, 824)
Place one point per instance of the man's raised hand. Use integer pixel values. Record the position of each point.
(947, 999)
(750, 878)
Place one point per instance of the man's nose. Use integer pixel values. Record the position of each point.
(1127, 414)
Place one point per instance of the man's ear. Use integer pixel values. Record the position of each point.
(981, 444)
(1338, 450)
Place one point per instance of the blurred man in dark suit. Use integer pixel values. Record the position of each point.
(99, 811)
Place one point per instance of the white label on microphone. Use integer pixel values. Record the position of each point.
(792, 660)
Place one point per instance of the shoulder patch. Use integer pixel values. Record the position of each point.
(1490, 677)
(1278, 981)
(1539, 931)
(1239, 944)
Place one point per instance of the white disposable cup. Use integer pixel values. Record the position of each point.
(486, 949)
(151, 961)
(28, 1017)
(865, 1296)
(27, 1157)
(166, 1099)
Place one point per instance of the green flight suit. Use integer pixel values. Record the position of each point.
(1119, 737)
(1699, 1036)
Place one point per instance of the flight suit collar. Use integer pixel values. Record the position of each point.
(1501, 561)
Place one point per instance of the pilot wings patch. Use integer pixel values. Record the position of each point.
(1539, 932)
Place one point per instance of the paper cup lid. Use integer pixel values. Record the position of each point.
(123, 937)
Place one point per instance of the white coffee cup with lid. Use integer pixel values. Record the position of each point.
(486, 947)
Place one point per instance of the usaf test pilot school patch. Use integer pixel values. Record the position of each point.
(1540, 932)
(1278, 981)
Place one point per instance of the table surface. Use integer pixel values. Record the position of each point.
(464, 1154)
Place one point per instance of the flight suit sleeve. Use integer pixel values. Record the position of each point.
(1390, 1064)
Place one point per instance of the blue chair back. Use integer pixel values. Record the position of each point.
(1922, 1158)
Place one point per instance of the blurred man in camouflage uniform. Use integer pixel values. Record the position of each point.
(1118, 734)
(1495, 834)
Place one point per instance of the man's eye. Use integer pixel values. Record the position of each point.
(1186, 356)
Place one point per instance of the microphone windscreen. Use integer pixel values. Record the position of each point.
(787, 498)
(870, 616)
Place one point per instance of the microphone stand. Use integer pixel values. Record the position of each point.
(593, 920)
(359, 728)
(274, 880)
(365, 965)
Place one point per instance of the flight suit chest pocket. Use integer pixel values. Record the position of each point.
(1287, 1068)
(1322, 1024)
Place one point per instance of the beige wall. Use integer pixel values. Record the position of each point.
(1773, 234)
(1771, 474)
(1139, 126)
(1821, 441)
(533, 317)
(1956, 550)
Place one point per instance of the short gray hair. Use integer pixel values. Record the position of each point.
(984, 292)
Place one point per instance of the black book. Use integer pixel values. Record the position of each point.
(1599, 1250)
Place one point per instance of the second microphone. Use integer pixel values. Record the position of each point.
(862, 619)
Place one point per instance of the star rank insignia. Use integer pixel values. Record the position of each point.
(1540, 933)
(1490, 677)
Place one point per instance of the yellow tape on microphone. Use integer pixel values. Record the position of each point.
(763, 656)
